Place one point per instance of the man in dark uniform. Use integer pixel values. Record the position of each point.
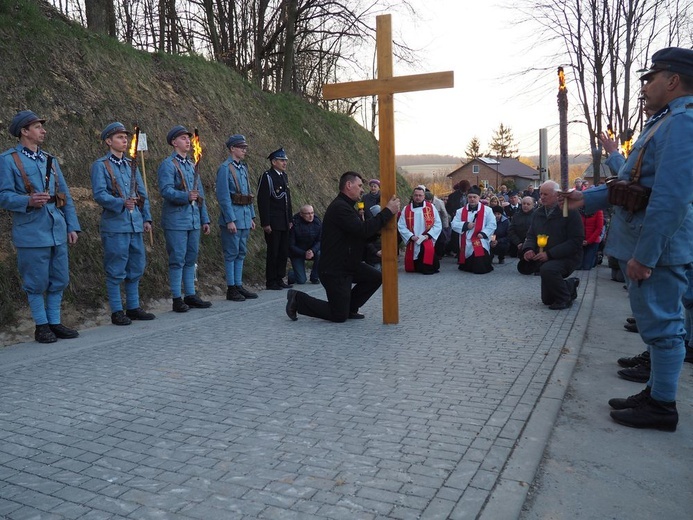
(341, 264)
(274, 206)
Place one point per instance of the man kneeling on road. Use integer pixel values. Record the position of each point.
(562, 252)
(341, 264)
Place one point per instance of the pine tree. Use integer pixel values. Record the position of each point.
(503, 143)
(473, 148)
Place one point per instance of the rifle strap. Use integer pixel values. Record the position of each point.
(182, 177)
(18, 162)
(635, 172)
(117, 189)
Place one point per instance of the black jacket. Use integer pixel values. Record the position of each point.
(274, 200)
(519, 225)
(344, 236)
(565, 234)
(304, 236)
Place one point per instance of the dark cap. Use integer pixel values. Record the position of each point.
(22, 120)
(277, 154)
(112, 129)
(237, 141)
(176, 131)
(525, 267)
(671, 59)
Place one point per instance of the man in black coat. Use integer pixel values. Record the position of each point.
(274, 207)
(563, 251)
(344, 237)
(519, 225)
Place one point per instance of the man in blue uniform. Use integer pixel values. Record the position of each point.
(237, 214)
(274, 206)
(125, 216)
(183, 215)
(653, 240)
(44, 222)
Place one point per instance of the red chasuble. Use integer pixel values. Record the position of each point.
(427, 245)
(476, 242)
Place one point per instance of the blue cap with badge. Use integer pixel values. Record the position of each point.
(277, 154)
(671, 59)
(23, 119)
(112, 129)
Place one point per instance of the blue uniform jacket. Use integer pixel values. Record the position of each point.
(662, 234)
(242, 216)
(114, 217)
(35, 227)
(177, 212)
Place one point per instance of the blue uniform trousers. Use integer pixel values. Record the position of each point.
(123, 260)
(182, 247)
(44, 270)
(235, 247)
(658, 310)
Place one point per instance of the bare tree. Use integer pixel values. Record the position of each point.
(602, 45)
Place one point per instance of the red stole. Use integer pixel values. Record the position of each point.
(476, 242)
(427, 245)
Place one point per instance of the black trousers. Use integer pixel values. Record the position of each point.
(342, 299)
(277, 255)
(554, 288)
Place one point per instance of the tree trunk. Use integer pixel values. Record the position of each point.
(288, 76)
(100, 16)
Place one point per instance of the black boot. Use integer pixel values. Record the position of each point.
(650, 413)
(575, 283)
(139, 314)
(193, 300)
(233, 295)
(119, 318)
(179, 306)
(245, 292)
(630, 402)
(628, 362)
(44, 334)
(689, 354)
(63, 332)
(639, 373)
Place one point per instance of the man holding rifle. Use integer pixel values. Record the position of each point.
(119, 189)
(44, 222)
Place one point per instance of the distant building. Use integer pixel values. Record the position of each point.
(494, 172)
(604, 173)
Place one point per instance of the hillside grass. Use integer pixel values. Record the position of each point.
(80, 81)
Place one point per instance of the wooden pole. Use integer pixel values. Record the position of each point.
(146, 188)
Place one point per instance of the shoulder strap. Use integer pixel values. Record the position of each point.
(182, 177)
(107, 164)
(18, 162)
(232, 169)
(635, 172)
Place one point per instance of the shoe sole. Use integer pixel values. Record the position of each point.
(662, 428)
(633, 379)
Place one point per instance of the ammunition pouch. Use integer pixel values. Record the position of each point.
(139, 201)
(242, 200)
(629, 195)
(60, 199)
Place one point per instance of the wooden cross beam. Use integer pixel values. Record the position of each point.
(385, 86)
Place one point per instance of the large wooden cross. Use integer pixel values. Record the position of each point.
(385, 86)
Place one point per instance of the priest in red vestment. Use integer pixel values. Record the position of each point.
(476, 224)
(419, 226)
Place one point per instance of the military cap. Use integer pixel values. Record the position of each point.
(236, 140)
(525, 267)
(23, 119)
(176, 131)
(112, 129)
(277, 154)
(671, 59)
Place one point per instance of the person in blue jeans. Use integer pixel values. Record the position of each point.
(304, 245)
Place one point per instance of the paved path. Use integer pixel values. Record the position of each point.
(237, 412)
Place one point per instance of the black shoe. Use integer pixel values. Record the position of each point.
(44, 334)
(193, 300)
(139, 314)
(119, 318)
(233, 295)
(273, 287)
(559, 306)
(63, 332)
(638, 374)
(245, 292)
(576, 284)
(631, 327)
(630, 320)
(501, 260)
(284, 285)
(650, 413)
(356, 316)
(630, 402)
(634, 361)
(291, 304)
(315, 282)
(179, 305)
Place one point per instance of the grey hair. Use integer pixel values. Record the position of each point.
(552, 184)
